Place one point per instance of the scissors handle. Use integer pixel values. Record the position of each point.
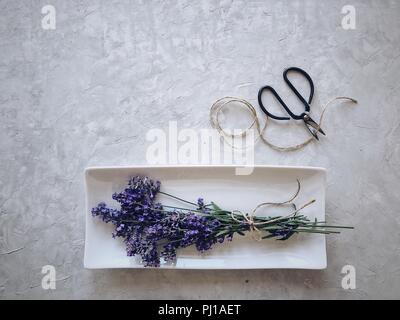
(296, 92)
(276, 95)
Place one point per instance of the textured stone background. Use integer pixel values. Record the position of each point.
(85, 94)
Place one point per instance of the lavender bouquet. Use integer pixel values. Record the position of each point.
(154, 231)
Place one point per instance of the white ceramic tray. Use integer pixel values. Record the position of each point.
(229, 191)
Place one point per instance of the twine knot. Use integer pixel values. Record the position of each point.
(253, 225)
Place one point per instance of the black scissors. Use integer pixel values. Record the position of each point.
(310, 124)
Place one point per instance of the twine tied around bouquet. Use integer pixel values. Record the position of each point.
(221, 103)
(253, 226)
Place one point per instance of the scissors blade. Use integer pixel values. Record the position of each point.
(312, 126)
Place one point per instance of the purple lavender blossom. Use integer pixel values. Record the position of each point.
(151, 231)
(200, 202)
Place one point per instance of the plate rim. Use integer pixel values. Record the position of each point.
(89, 169)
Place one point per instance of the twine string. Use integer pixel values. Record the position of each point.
(218, 105)
(253, 225)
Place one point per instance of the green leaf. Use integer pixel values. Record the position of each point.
(221, 233)
(216, 210)
(215, 207)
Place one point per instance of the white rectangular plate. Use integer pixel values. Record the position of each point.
(221, 185)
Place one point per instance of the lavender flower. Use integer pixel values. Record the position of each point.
(200, 203)
(155, 232)
(144, 224)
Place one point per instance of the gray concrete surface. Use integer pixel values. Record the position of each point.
(86, 93)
